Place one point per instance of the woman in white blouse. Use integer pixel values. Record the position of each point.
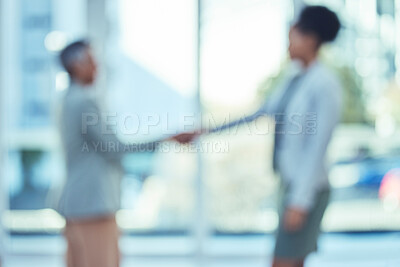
(306, 111)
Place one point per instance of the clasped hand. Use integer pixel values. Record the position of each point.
(187, 137)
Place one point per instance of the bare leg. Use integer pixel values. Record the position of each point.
(101, 242)
(300, 263)
(75, 256)
(287, 263)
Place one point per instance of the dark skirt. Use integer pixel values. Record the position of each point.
(297, 245)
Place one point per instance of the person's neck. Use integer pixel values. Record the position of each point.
(80, 82)
(308, 61)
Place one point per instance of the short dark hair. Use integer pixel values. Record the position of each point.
(71, 53)
(320, 21)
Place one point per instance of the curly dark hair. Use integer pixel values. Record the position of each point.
(320, 21)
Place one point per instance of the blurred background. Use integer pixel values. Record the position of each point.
(178, 58)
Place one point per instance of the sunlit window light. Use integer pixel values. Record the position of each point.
(62, 81)
(55, 41)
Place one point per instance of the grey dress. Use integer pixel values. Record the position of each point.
(93, 169)
(297, 245)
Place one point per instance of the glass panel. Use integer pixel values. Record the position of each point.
(152, 62)
(243, 43)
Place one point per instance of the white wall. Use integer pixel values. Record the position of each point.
(70, 17)
(8, 71)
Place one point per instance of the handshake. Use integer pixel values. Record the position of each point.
(186, 137)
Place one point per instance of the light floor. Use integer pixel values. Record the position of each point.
(343, 250)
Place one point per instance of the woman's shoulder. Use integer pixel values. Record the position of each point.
(324, 81)
(325, 84)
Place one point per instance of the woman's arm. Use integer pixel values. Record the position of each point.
(264, 110)
(95, 131)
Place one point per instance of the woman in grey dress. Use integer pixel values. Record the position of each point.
(306, 110)
(304, 193)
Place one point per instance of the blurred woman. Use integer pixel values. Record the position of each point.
(306, 110)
